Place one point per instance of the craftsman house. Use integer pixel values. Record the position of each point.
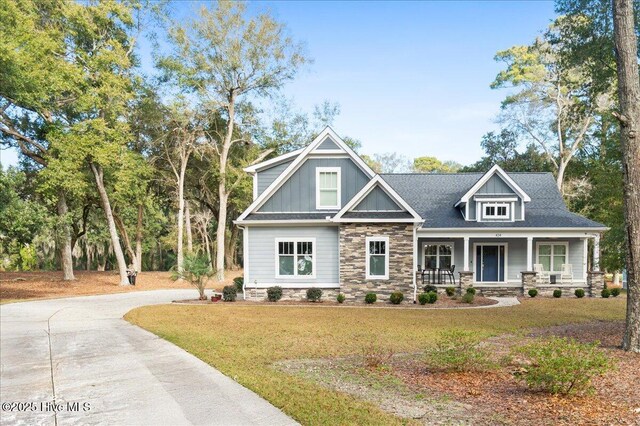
(321, 217)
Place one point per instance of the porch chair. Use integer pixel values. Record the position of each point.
(449, 273)
(567, 273)
(544, 275)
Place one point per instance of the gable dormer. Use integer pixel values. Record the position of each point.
(495, 197)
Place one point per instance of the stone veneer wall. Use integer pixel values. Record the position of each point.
(260, 294)
(353, 260)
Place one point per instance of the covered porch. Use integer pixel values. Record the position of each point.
(505, 262)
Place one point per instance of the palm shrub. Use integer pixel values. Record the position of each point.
(370, 298)
(314, 294)
(197, 270)
(340, 298)
(533, 292)
(562, 366)
(396, 297)
(274, 293)
(579, 293)
(457, 350)
(229, 293)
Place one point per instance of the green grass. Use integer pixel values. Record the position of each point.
(244, 341)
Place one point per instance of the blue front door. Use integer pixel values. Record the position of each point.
(490, 263)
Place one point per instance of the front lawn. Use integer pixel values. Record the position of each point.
(245, 341)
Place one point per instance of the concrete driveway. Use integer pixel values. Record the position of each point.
(76, 361)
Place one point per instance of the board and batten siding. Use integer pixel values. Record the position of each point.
(377, 200)
(267, 176)
(516, 254)
(298, 193)
(262, 256)
(495, 185)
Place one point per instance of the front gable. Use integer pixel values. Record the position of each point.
(377, 200)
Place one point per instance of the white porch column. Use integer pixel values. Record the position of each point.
(596, 252)
(529, 253)
(585, 257)
(466, 254)
(415, 263)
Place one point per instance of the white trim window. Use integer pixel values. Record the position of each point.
(377, 250)
(328, 191)
(437, 255)
(295, 258)
(496, 210)
(552, 255)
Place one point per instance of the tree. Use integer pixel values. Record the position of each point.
(629, 116)
(392, 162)
(552, 108)
(228, 59)
(433, 165)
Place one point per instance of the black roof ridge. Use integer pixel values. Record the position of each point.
(459, 173)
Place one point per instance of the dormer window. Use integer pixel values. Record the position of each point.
(495, 211)
(328, 188)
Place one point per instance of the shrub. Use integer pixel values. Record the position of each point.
(557, 293)
(314, 294)
(468, 298)
(422, 298)
(432, 297)
(274, 293)
(370, 298)
(197, 270)
(457, 350)
(430, 288)
(229, 293)
(340, 298)
(375, 356)
(579, 293)
(561, 365)
(396, 297)
(532, 292)
(471, 290)
(238, 282)
(451, 291)
(615, 292)
(605, 293)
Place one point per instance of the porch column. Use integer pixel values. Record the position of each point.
(529, 253)
(415, 263)
(466, 254)
(596, 253)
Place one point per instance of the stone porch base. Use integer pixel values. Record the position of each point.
(260, 294)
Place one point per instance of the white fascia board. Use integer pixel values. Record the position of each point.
(284, 222)
(272, 162)
(495, 169)
(286, 174)
(507, 233)
(377, 180)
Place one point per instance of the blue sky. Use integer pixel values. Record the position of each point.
(410, 77)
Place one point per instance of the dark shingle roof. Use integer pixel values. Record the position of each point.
(433, 196)
(377, 215)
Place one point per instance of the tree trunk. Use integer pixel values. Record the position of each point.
(562, 168)
(180, 253)
(230, 252)
(187, 220)
(138, 262)
(125, 239)
(629, 98)
(66, 259)
(106, 206)
(222, 191)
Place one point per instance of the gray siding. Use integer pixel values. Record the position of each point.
(495, 185)
(328, 143)
(262, 252)
(517, 208)
(377, 199)
(298, 193)
(516, 254)
(267, 176)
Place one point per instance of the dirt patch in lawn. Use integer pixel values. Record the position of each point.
(16, 286)
(406, 388)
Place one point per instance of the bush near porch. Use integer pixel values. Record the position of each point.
(236, 340)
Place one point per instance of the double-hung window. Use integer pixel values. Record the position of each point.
(438, 256)
(552, 256)
(495, 211)
(377, 258)
(295, 258)
(328, 188)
